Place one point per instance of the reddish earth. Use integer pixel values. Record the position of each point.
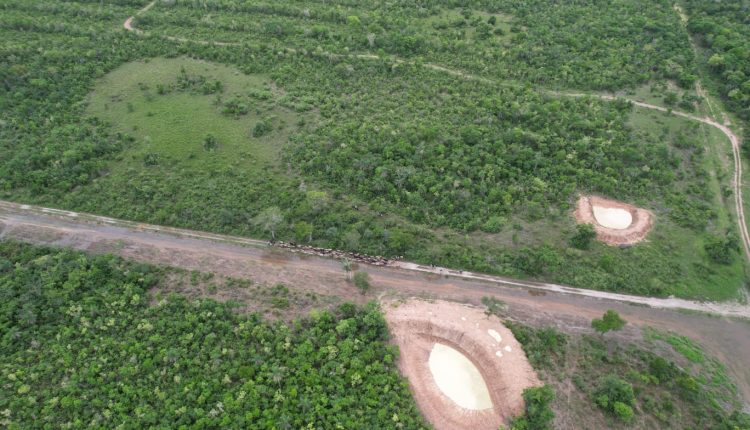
(630, 235)
(417, 325)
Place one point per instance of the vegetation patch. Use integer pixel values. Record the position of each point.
(85, 346)
(374, 155)
(189, 114)
(606, 382)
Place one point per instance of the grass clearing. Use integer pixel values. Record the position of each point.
(170, 125)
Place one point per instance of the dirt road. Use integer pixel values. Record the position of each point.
(535, 303)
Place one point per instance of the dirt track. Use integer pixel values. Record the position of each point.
(535, 303)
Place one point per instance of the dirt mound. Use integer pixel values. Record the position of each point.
(418, 326)
(609, 218)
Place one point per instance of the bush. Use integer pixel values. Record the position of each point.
(151, 159)
(610, 321)
(262, 128)
(538, 415)
(623, 412)
(613, 390)
(494, 224)
(362, 281)
(544, 347)
(585, 234)
(210, 143)
(721, 250)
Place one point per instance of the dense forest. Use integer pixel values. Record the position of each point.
(381, 155)
(723, 28)
(81, 347)
(591, 44)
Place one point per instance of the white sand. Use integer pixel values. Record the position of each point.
(458, 378)
(614, 218)
(508, 348)
(495, 335)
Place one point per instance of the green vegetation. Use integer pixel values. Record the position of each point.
(538, 415)
(583, 237)
(614, 383)
(362, 281)
(723, 30)
(611, 321)
(589, 44)
(379, 156)
(80, 346)
(615, 396)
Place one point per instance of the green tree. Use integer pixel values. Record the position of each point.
(583, 237)
(303, 231)
(346, 264)
(608, 322)
(269, 220)
(721, 250)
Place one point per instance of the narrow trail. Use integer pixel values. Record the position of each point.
(733, 138)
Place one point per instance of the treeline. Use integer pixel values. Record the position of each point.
(81, 346)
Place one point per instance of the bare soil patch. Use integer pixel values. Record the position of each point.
(615, 223)
(418, 326)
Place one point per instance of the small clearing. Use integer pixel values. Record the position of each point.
(615, 223)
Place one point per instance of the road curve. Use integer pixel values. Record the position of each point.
(733, 138)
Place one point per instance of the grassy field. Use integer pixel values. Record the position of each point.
(169, 129)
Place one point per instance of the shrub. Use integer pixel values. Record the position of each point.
(544, 347)
(362, 281)
(262, 128)
(720, 250)
(610, 321)
(538, 415)
(613, 390)
(151, 159)
(210, 143)
(585, 234)
(623, 412)
(494, 224)
(236, 107)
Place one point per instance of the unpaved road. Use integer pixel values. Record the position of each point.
(535, 303)
(733, 138)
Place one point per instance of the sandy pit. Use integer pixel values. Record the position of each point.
(614, 218)
(466, 370)
(458, 378)
(615, 223)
